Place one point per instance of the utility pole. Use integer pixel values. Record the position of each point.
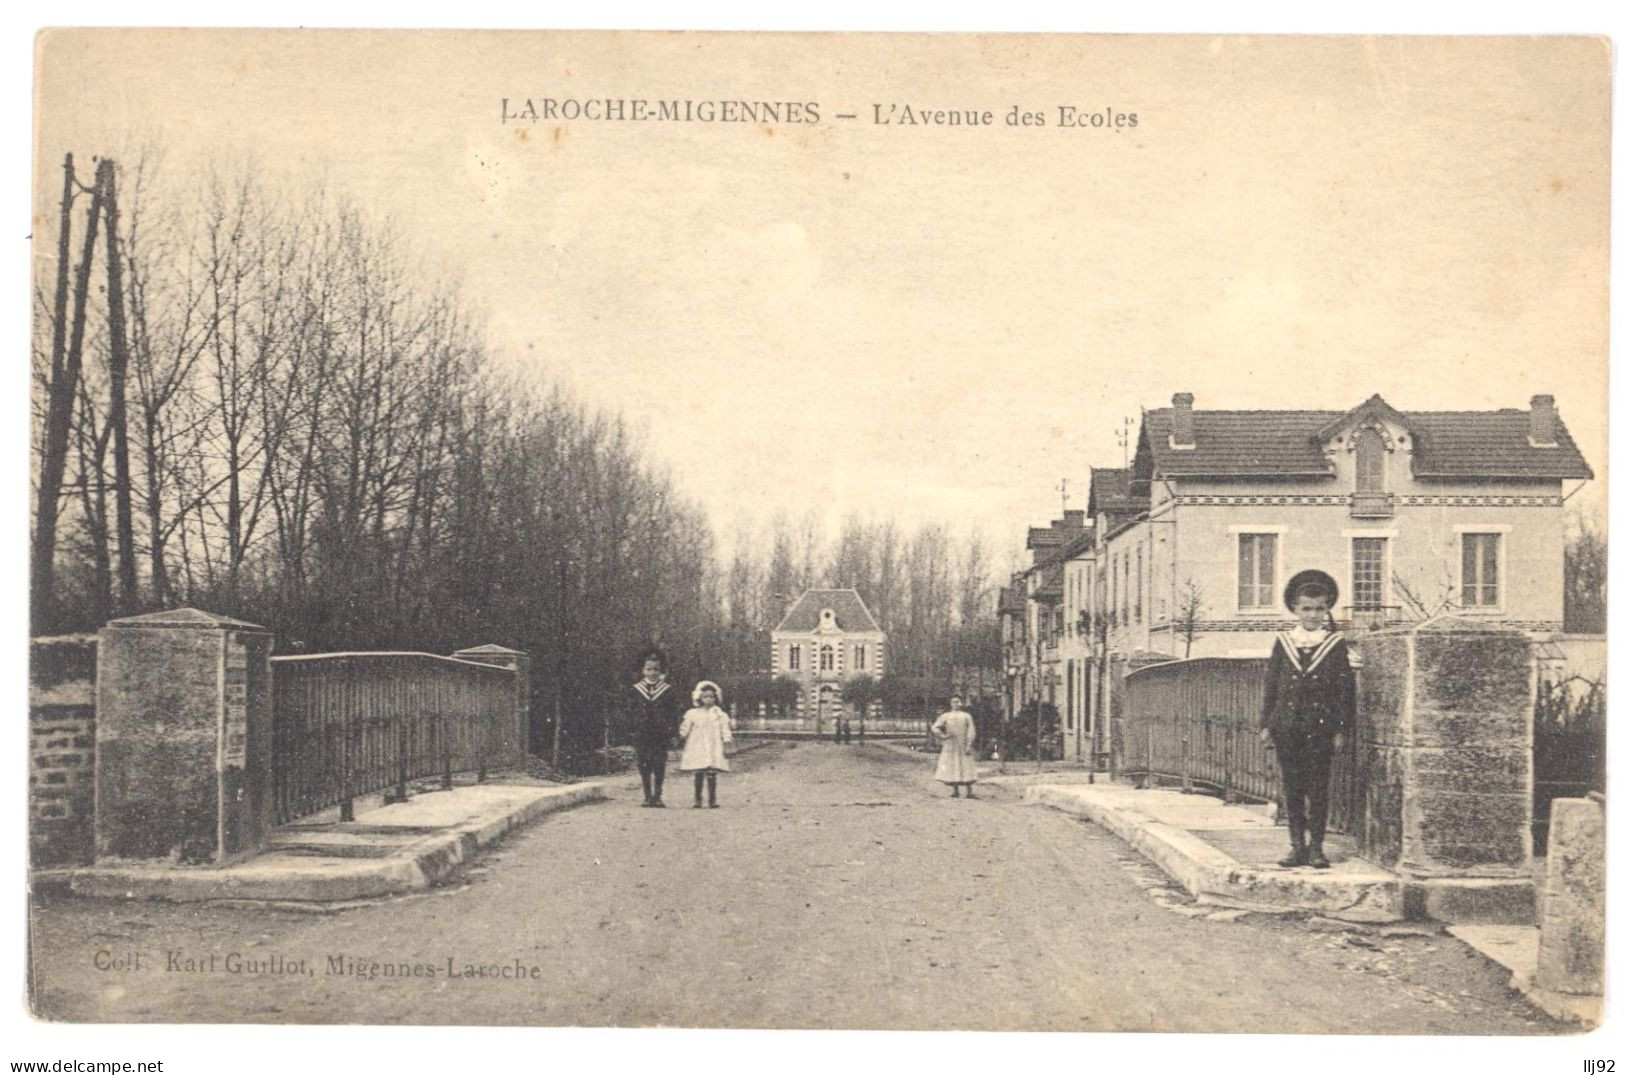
(118, 364)
(67, 352)
(559, 663)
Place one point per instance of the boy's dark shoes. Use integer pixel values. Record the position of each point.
(1317, 858)
(1296, 858)
(713, 806)
(659, 803)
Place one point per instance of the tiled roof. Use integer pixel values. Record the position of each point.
(851, 614)
(1071, 522)
(1080, 543)
(1112, 491)
(1011, 601)
(1283, 444)
(1052, 582)
(1043, 537)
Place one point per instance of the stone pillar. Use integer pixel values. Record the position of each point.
(519, 664)
(183, 738)
(1571, 928)
(1445, 738)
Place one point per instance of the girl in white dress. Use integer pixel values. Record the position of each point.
(956, 764)
(705, 731)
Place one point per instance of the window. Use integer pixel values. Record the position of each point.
(860, 657)
(1370, 459)
(1255, 572)
(1071, 696)
(1139, 584)
(795, 658)
(1112, 571)
(1370, 572)
(826, 658)
(1122, 592)
(1481, 570)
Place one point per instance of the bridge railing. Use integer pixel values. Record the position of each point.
(350, 724)
(1196, 721)
(811, 727)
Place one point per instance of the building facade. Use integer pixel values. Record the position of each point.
(1189, 547)
(827, 637)
(1413, 513)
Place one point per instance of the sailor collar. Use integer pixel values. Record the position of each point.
(649, 692)
(1332, 640)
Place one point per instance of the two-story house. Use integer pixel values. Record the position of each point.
(826, 638)
(1413, 513)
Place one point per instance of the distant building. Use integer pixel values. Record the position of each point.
(827, 638)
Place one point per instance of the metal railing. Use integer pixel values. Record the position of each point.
(1196, 721)
(350, 724)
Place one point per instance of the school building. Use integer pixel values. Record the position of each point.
(1414, 513)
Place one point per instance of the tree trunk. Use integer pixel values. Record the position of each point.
(65, 365)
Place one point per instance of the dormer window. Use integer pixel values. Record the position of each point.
(1370, 462)
(1371, 497)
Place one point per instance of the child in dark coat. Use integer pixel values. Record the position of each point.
(1308, 703)
(655, 710)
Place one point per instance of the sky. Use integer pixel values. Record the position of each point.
(940, 323)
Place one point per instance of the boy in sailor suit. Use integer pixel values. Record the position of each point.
(1308, 703)
(655, 710)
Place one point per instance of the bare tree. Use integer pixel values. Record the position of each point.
(1188, 614)
(1424, 605)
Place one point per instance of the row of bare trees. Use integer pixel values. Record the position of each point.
(256, 399)
(258, 402)
(930, 589)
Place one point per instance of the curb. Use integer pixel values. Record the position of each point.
(297, 875)
(1211, 876)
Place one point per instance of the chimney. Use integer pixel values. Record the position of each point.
(1542, 422)
(1184, 434)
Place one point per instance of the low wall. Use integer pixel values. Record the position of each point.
(61, 750)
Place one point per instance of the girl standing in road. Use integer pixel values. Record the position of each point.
(1308, 702)
(956, 765)
(705, 731)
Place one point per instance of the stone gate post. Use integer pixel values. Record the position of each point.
(519, 663)
(1446, 740)
(183, 738)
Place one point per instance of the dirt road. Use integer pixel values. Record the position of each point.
(835, 887)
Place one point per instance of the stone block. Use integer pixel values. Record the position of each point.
(1572, 926)
(182, 767)
(1498, 901)
(1471, 769)
(1459, 728)
(1384, 686)
(1472, 672)
(1466, 833)
(61, 669)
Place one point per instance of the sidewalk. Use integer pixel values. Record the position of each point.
(386, 851)
(1227, 854)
